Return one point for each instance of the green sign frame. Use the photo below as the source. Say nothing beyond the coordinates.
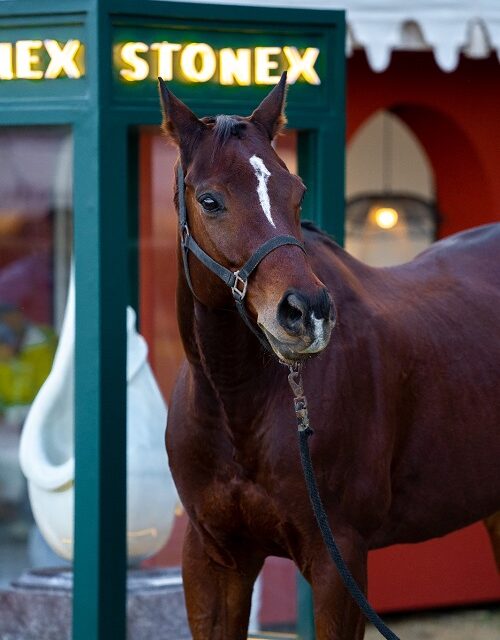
(104, 114)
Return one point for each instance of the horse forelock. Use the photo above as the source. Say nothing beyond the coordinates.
(224, 128)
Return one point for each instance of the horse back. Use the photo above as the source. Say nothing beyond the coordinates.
(429, 331)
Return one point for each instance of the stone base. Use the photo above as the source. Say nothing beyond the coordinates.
(38, 606)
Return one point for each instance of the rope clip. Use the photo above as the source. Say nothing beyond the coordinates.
(299, 399)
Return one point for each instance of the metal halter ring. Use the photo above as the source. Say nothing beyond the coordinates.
(184, 233)
(238, 281)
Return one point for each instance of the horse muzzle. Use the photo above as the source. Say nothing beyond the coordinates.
(303, 325)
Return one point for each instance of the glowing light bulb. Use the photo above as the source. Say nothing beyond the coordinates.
(385, 217)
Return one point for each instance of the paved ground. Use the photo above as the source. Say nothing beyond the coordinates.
(478, 624)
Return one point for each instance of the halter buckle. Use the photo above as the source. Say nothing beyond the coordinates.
(239, 287)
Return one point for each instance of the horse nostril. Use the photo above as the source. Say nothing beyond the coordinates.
(322, 307)
(291, 313)
(293, 309)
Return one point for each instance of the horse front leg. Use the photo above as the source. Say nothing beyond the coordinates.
(336, 614)
(218, 598)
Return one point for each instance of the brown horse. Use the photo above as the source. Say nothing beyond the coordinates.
(404, 399)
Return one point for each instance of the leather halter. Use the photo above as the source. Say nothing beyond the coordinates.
(237, 281)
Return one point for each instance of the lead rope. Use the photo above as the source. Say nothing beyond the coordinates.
(305, 432)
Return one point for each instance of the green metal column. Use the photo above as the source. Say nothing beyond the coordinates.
(330, 166)
(307, 151)
(321, 164)
(305, 609)
(322, 168)
(99, 598)
(133, 190)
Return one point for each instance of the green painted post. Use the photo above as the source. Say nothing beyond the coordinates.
(100, 246)
(307, 151)
(321, 163)
(99, 598)
(133, 189)
(100, 401)
(305, 608)
(331, 180)
(321, 166)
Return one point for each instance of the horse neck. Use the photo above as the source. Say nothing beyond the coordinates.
(226, 359)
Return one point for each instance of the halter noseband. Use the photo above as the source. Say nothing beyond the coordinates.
(237, 281)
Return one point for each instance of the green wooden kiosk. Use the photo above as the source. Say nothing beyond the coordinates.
(91, 66)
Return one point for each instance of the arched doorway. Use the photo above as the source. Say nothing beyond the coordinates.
(390, 193)
(453, 117)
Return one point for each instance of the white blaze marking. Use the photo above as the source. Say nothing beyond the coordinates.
(263, 174)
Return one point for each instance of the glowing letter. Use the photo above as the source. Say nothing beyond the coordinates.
(208, 62)
(140, 67)
(6, 61)
(62, 59)
(263, 65)
(165, 58)
(302, 65)
(25, 59)
(235, 65)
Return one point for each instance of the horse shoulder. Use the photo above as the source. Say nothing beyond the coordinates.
(220, 480)
(193, 434)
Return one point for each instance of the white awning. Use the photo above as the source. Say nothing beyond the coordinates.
(446, 27)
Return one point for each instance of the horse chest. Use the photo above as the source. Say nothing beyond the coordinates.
(237, 505)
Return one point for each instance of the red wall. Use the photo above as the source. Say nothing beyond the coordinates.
(454, 115)
(456, 118)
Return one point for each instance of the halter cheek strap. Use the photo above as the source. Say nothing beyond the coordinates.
(237, 281)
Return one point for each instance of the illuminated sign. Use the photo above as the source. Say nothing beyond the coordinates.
(41, 59)
(195, 62)
(199, 62)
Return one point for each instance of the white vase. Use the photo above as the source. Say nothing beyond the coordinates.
(47, 449)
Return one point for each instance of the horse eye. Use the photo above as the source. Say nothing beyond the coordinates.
(209, 203)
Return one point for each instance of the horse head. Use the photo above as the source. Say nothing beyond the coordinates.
(238, 195)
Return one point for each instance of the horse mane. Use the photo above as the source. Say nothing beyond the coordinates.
(309, 225)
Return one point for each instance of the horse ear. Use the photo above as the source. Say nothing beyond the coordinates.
(270, 112)
(179, 122)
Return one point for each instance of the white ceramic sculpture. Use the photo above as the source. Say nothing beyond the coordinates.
(47, 442)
